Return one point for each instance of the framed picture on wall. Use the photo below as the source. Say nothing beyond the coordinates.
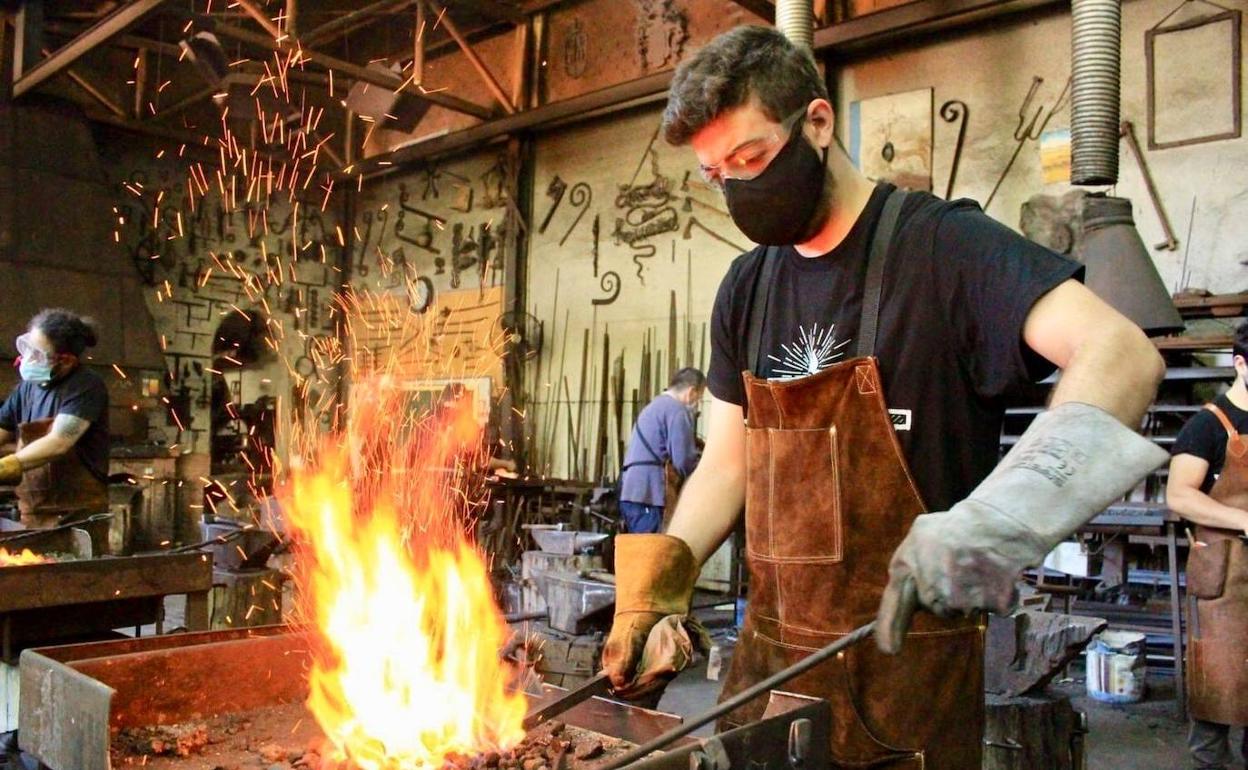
(1190, 104)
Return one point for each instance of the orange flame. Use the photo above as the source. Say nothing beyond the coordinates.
(406, 667)
(21, 558)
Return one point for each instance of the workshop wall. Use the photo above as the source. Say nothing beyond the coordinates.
(196, 263)
(1005, 57)
(626, 241)
(434, 238)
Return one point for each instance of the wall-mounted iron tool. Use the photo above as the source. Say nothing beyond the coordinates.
(554, 191)
(1031, 130)
(952, 110)
(610, 283)
(582, 195)
(1171, 243)
(693, 222)
(597, 231)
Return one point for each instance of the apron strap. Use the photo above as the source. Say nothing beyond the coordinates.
(876, 258)
(758, 309)
(1235, 442)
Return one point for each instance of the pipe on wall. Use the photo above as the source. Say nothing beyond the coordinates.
(1096, 43)
(796, 19)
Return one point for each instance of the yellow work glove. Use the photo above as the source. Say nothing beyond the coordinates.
(10, 469)
(654, 579)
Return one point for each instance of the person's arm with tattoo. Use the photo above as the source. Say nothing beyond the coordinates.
(65, 432)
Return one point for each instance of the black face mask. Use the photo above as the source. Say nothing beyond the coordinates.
(776, 207)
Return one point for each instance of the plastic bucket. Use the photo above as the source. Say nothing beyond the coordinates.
(1117, 667)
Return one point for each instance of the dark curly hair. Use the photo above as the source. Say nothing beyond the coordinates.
(66, 330)
(1240, 346)
(743, 62)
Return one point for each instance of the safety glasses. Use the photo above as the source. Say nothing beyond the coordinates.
(752, 158)
(27, 350)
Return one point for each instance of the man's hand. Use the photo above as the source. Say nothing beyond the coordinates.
(10, 470)
(654, 580)
(956, 562)
(1073, 461)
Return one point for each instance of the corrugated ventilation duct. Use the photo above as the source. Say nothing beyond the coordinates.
(796, 19)
(1096, 42)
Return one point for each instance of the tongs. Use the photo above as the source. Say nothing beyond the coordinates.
(600, 684)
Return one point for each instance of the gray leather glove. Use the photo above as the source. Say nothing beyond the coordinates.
(1073, 461)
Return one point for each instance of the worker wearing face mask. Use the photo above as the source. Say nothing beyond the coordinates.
(59, 416)
(861, 358)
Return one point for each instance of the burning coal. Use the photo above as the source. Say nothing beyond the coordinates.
(21, 558)
(406, 668)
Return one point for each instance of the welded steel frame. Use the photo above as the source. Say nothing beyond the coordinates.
(1236, 107)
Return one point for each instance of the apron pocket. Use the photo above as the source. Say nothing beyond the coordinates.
(816, 492)
(1206, 569)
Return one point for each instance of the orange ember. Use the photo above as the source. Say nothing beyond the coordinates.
(21, 558)
(406, 667)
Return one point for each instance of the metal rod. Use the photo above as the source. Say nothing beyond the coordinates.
(743, 697)
(1127, 130)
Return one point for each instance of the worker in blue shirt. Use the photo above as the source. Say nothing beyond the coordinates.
(662, 443)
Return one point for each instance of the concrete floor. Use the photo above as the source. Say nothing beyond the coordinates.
(1141, 736)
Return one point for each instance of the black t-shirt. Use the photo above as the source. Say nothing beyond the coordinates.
(957, 287)
(80, 393)
(1203, 436)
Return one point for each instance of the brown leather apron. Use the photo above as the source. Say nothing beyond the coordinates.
(829, 497)
(1217, 575)
(61, 491)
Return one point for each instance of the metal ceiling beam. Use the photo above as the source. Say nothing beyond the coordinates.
(348, 22)
(382, 78)
(260, 17)
(487, 77)
(94, 91)
(492, 9)
(121, 41)
(641, 90)
(912, 20)
(764, 9)
(99, 33)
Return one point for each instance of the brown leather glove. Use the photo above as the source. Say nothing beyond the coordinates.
(10, 469)
(654, 579)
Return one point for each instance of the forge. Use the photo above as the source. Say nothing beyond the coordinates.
(235, 698)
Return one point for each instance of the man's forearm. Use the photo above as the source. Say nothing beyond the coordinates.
(708, 509)
(43, 451)
(1196, 506)
(1117, 371)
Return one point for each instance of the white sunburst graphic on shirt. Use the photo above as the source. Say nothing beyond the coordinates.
(815, 350)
